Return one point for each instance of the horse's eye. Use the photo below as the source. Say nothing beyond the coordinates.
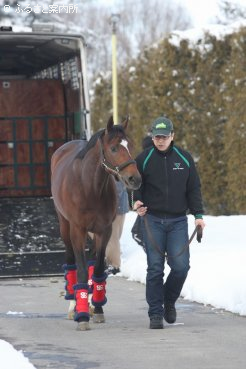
(114, 149)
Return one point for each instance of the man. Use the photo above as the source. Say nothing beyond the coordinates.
(170, 187)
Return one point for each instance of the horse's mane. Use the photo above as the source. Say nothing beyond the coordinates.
(116, 131)
(91, 143)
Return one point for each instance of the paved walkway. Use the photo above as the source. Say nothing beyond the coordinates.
(202, 338)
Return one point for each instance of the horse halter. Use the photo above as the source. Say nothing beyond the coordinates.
(114, 169)
(117, 168)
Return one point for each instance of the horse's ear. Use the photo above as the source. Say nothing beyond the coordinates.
(125, 122)
(110, 123)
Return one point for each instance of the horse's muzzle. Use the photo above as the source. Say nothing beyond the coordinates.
(132, 182)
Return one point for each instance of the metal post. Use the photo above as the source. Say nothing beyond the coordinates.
(114, 20)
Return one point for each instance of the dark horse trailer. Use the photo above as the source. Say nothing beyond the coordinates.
(44, 102)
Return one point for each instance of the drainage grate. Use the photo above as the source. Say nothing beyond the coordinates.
(30, 243)
(31, 264)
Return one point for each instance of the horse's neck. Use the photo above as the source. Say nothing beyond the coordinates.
(101, 181)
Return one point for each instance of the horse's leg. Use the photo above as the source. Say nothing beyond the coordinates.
(78, 239)
(99, 277)
(91, 259)
(70, 273)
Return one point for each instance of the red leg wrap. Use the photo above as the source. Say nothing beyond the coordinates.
(71, 279)
(90, 281)
(99, 292)
(82, 305)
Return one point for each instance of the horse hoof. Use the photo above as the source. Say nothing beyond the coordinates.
(83, 326)
(98, 318)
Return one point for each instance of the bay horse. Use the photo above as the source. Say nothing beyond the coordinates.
(84, 195)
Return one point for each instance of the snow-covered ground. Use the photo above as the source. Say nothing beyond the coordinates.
(13, 359)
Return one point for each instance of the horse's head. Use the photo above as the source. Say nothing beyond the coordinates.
(117, 158)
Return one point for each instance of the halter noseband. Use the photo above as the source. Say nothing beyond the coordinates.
(117, 168)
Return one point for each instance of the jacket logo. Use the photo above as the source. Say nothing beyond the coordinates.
(177, 166)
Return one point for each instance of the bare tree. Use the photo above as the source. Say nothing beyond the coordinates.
(150, 21)
(230, 11)
(141, 24)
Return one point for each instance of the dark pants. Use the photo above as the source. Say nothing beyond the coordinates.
(170, 236)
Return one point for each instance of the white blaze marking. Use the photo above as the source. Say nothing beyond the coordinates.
(125, 144)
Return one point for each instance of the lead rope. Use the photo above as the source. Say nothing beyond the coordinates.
(197, 230)
(132, 202)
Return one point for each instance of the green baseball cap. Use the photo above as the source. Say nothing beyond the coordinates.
(162, 126)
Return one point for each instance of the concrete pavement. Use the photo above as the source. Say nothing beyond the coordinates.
(33, 319)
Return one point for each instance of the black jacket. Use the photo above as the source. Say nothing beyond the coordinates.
(170, 183)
